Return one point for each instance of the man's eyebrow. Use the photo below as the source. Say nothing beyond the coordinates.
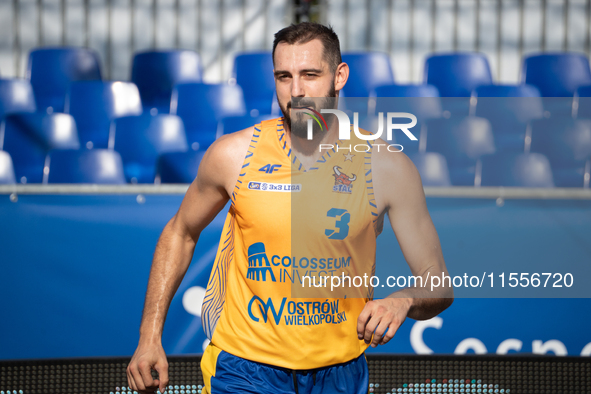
(307, 70)
(311, 70)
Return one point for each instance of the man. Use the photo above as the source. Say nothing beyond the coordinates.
(262, 339)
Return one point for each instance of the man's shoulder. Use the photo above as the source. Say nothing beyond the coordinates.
(233, 143)
(224, 158)
(230, 147)
(394, 175)
(391, 160)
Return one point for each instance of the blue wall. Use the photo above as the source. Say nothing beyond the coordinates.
(75, 270)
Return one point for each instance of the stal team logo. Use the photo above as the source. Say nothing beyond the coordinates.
(345, 129)
(343, 183)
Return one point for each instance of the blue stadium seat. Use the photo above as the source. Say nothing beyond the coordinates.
(516, 170)
(179, 167)
(28, 137)
(253, 71)
(420, 100)
(432, 167)
(156, 72)
(140, 139)
(237, 123)
(463, 142)
(509, 109)
(367, 70)
(202, 106)
(51, 70)
(582, 102)
(584, 91)
(457, 74)
(16, 95)
(506, 91)
(94, 104)
(556, 74)
(567, 144)
(100, 166)
(6, 169)
(406, 91)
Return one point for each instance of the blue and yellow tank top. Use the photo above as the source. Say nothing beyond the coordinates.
(286, 224)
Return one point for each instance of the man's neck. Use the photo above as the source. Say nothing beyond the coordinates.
(308, 151)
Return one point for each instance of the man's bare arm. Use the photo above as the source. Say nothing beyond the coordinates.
(418, 239)
(205, 198)
(399, 193)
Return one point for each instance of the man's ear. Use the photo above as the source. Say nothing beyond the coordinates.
(340, 76)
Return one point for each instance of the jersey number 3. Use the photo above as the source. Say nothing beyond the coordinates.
(342, 224)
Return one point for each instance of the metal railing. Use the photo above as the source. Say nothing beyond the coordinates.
(117, 29)
(505, 30)
(499, 193)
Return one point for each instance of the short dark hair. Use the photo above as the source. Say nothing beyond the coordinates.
(307, 31)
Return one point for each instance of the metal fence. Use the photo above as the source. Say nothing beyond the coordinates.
(499, 193)
(117, 29)
(504, 30)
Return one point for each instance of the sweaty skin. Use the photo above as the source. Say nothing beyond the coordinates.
(300, 71)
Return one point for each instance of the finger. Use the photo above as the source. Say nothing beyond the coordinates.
(162, 369)
(389, 334)
(151, 389)
(131, 380)
(363, 319)
(146, 373)
(370, 327)
(137, 377)
(379, 331)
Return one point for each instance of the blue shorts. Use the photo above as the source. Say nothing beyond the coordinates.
(225, 373)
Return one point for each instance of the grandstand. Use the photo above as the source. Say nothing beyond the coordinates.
(106, 111)
(90, 76)
(516, 119)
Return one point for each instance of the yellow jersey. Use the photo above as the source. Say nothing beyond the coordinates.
(288, 228)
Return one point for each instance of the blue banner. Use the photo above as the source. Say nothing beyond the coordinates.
(75, 271)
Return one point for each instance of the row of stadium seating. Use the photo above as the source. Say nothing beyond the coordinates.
(95, 105)
(140, 139)
(565, 144)
(155, 73)
(104, 166)
(503, 169)
(101, 110)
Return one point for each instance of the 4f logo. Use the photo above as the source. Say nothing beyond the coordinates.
(270, 168)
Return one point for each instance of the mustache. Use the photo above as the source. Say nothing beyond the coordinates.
(301, 104)
(313, 111)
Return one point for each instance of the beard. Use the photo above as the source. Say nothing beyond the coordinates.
(298, 124)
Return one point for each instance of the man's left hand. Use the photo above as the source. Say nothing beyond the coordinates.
(382, 318)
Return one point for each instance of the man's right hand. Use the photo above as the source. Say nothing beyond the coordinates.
(206, 197)
(139, 370)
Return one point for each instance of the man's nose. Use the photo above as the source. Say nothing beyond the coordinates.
(297, 88)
